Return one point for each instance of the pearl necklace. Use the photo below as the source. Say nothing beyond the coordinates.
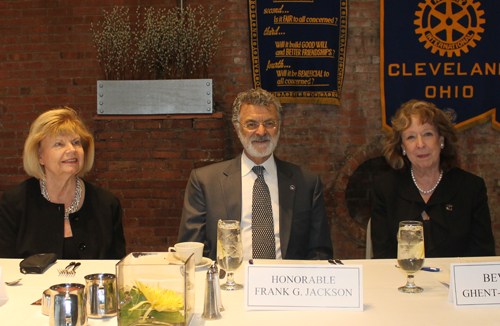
(76, 200)
(428, 191)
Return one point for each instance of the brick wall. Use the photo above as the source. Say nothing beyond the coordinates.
(146, 163)
(47, 59)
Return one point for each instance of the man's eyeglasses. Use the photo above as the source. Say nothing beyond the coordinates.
(255, 125)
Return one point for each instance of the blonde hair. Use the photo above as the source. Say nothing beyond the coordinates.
(60, 121)
(427, 113)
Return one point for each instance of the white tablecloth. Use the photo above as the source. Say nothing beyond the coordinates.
(383, 303)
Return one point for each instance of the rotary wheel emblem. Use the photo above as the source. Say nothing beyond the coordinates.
(449, 26)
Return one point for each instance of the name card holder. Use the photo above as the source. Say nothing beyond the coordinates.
(475, 285)
(304, 287)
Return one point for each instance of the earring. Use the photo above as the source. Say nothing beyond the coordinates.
(404, 152)
(442, 145)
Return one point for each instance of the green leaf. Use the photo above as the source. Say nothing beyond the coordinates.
(167, 317)
(134, 297)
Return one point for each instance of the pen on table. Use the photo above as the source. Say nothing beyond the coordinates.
(427, 269)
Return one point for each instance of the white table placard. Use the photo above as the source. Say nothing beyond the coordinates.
(3, 293)
(304, 287)
(475, 285)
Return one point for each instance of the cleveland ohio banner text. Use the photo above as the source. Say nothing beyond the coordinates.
(298, 48)
(445, 52)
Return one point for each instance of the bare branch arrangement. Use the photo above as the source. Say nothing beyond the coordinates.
(176, 44)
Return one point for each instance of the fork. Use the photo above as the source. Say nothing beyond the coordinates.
(65, 270)
(73, 271)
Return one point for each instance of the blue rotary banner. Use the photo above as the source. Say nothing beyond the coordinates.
(444, 52)
(298, 48)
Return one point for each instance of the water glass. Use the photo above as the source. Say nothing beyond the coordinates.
(229, 251)
(411, 253)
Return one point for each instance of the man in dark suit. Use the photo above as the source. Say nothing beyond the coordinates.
(225, 190)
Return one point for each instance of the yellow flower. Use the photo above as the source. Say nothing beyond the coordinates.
(161, 300)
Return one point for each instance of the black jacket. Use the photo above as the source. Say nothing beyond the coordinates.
(459, 225)
(30, 224)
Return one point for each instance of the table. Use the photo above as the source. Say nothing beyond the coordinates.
(383, 303)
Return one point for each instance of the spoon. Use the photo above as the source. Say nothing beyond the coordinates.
(13, 282)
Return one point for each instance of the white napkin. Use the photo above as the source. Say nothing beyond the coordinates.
(3, 293)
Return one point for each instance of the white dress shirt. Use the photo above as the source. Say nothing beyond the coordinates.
(248, 178)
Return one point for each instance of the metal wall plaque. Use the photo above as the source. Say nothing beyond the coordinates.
(135, 97)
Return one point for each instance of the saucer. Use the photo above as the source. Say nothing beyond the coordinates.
(204, 262)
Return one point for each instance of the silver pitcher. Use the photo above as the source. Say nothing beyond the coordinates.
(67, 305)
(46, 302)
(101, 295)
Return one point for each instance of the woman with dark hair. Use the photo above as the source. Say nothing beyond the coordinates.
(427, 184)
(56, 211)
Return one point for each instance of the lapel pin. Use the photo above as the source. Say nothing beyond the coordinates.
(449, 207)
(292, 187)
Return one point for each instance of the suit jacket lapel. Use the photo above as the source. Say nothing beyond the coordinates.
(407, 190)
(231, 189)
(443, 194)
(447, 189)
(286, 202)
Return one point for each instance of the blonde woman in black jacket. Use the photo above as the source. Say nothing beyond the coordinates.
(56, 211)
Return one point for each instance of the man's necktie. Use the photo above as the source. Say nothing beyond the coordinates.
(263, 241)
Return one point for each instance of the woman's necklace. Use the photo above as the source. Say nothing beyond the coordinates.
(76, 200)
(428, 191)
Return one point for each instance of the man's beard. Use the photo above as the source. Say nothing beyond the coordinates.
(253, 150)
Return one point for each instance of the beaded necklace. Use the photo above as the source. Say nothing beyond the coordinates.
(76, 200)
(428, 191)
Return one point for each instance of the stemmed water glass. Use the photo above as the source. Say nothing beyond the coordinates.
(411, 252)
(229, 251)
